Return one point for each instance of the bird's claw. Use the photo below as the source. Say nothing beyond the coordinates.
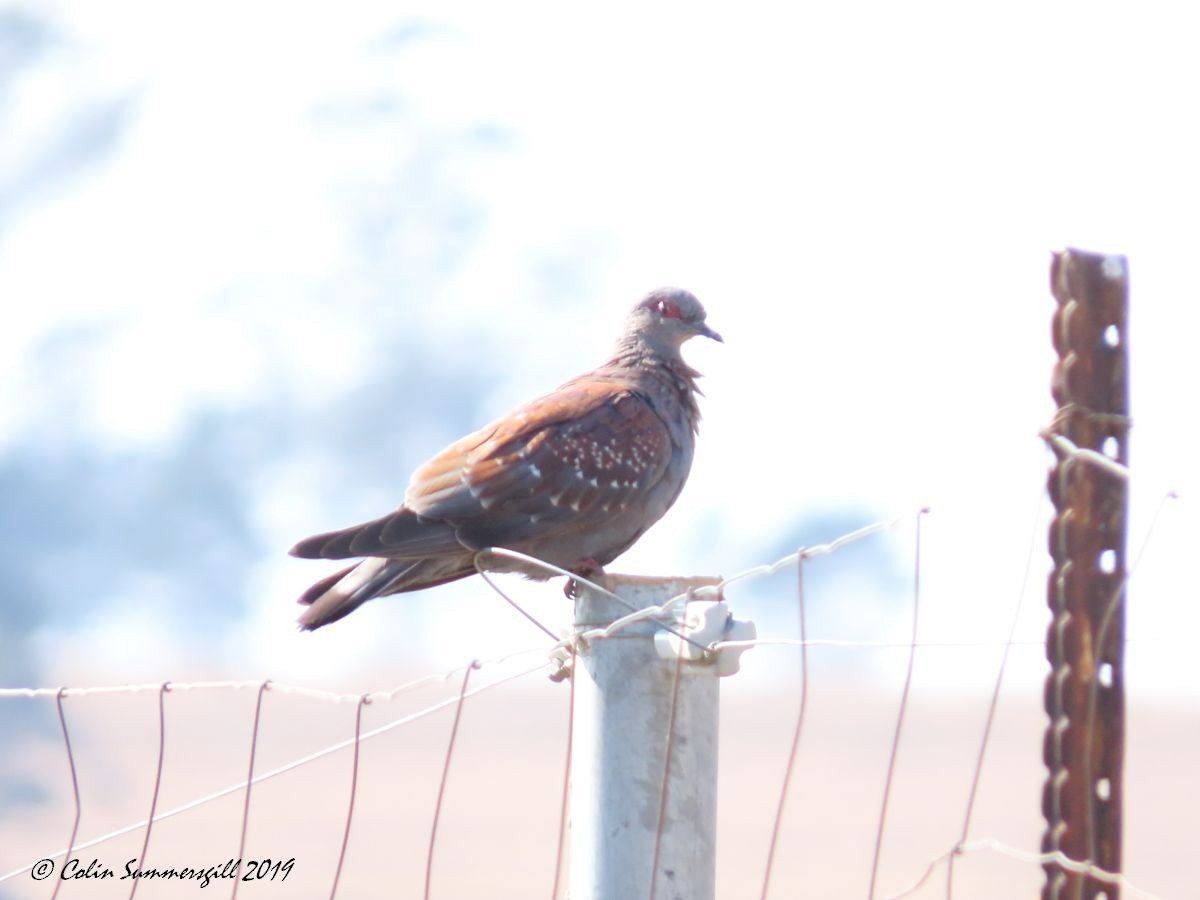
(585, 568)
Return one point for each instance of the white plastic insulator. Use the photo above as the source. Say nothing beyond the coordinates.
(706, 622)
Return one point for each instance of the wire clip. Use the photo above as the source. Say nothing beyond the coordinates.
(707, 622)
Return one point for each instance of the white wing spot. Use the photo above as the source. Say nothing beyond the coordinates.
(537, 473)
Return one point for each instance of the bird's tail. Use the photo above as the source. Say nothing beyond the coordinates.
(344, 591)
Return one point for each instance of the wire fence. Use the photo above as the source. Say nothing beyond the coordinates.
(557, 659)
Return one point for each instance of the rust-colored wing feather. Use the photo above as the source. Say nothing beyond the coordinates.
(571, 473)
(564, 461)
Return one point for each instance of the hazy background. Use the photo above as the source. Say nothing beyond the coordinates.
(258, 261)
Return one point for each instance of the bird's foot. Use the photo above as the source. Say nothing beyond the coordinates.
(585, 568)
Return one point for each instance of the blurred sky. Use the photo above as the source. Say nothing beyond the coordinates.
(257, 261)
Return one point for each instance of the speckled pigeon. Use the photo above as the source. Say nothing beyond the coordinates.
(573, 478)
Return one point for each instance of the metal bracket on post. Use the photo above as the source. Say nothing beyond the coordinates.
(706, 622)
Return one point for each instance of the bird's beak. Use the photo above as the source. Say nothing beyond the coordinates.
(703, 329)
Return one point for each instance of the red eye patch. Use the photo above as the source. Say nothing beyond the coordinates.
(668, 309)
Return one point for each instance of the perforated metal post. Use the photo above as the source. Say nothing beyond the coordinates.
(632, 707)
(1085, 691)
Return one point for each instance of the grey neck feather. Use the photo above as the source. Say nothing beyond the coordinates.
(641, 344)
(665, 371)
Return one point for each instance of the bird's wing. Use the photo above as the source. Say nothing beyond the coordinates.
(588, 453)
(588, 450)
(564, 461)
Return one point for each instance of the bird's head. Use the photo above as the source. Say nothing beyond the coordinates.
(664, 319)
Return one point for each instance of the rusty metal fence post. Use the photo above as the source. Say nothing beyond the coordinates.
(1085, 691)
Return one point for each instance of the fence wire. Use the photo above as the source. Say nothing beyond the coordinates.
(560, 655)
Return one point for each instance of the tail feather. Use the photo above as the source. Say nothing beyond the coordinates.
(401, 533)
(338, 595)
(314, 593)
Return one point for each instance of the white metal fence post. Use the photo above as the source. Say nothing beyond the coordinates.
(623, 697)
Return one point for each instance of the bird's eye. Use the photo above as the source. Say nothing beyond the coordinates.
(668, 309)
